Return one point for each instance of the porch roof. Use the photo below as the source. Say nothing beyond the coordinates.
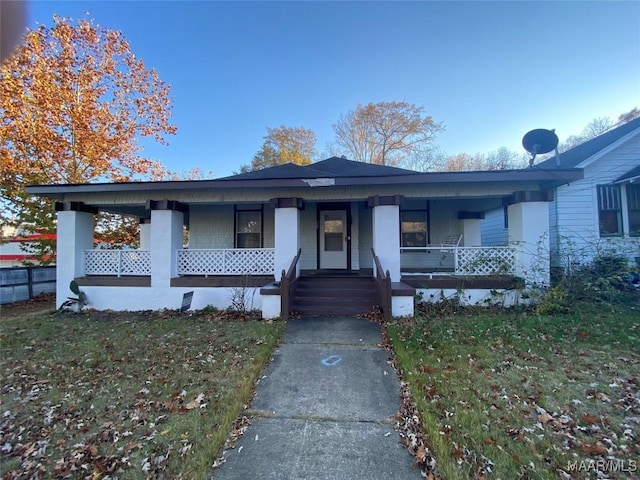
(333, 172)
(631, 176)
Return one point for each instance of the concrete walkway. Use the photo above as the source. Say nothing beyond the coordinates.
(324, 409)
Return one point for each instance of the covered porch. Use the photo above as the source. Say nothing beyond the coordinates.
(330, 238)
(260, 230)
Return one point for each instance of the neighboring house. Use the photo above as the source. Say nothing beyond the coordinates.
(12, 253)
(336, 218)
(597, 214)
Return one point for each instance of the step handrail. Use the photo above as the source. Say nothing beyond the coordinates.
(288, 284)
(383, 287)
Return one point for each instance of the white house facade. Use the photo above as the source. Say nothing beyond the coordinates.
(267, 231)
(598, 214)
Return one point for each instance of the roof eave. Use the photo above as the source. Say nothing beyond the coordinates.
(547, 178)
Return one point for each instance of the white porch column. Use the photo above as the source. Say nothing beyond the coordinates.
(145, 235)
(471, 223)
(529, 233)
(287, 233)
(74, 236)
(386, 232)
(167, 219)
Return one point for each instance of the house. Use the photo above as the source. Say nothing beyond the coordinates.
(597, 214)
(300, 238)
(12, 246)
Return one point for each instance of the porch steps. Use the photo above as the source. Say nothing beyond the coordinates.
(334, 295)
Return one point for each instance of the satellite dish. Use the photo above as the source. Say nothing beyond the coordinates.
(538, 141)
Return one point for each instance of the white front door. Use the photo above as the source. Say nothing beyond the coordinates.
(333, 239)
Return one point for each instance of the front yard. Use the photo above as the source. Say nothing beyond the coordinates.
(500, 395)
(522, 396)
(135, 395)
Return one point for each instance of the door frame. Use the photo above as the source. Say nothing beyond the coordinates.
(343, 206)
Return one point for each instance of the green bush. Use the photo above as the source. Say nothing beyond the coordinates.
(605, 279)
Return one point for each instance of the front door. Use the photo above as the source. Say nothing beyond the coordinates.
(333, 239)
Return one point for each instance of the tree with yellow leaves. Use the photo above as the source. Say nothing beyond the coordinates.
(284, 145)
(74, 103)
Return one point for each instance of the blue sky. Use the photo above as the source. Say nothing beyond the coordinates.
(490, 71)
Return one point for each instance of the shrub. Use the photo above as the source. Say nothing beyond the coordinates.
(603, 280)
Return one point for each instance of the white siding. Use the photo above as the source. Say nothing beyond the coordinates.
(574, 213)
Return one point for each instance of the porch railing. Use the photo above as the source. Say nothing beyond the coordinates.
(117, 262)
(226, 261)
(288, 286)
(460, 260)
(383, 287)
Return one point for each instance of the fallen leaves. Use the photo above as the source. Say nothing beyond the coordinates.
(196, 403)
(544, 418)
(594, 449)
(504, 390)
(412, 434)
(112, 398)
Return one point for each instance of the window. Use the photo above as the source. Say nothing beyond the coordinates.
(413, 229)
(249, 229)
(609, 210)
(505, 216)
(633, 203)
(333, 232)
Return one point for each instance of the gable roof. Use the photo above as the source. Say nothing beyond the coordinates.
(576, 155)
(330, 168)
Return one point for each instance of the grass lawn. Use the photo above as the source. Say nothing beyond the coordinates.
(127, 395)
(516, 395)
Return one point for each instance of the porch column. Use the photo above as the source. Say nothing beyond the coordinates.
(287, 233)
(471, 228)
(167, 218)
(386, 232)
(529, 233)
(145, 234)
(74, 236)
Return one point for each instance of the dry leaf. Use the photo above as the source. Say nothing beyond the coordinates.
(595, 449)
(588, 418)
(421, 454)
(544, 418)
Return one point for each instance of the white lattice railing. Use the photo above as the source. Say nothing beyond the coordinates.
(460, 260)
(117, 262)
(226, 261)
(485, 261)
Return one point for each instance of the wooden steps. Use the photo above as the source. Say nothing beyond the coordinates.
(334, 295)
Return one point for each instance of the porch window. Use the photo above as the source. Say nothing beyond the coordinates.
(249, 229)
(609, 210)
(633, 203)
(413, 229)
